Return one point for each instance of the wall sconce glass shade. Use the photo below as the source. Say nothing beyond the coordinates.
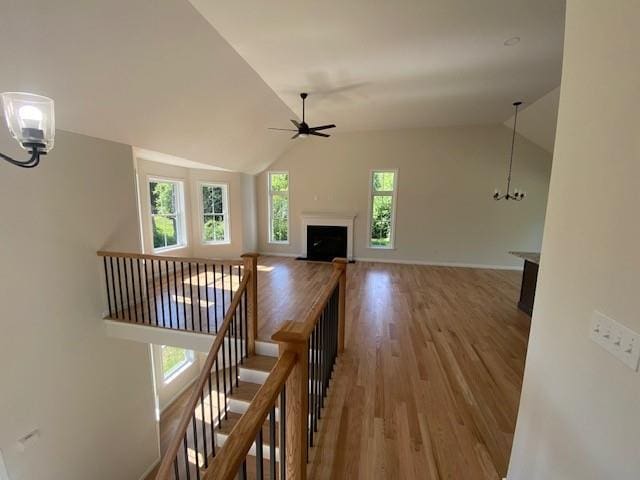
(30, 119)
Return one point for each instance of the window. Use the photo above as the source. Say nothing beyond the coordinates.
(215, 216)
(383, 185)
(174, 361)
(167, 219)
(279, 207)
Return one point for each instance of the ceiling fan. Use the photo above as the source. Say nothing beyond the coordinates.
(304, 130)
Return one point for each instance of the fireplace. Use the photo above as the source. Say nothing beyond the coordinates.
(339, 223)
(326, 242)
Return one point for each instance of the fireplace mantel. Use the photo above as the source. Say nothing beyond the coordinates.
(344, 219)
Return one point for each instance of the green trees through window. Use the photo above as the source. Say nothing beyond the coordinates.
(173, 359)
(278, 207)
(383, 187)
(214, 213)
(164, 203)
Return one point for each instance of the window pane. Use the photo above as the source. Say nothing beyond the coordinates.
(383, 181)
(381, 220)
(164, 231)
(173, 358)
(217, 200)
(279, 218)
(214, 228)
(279, 182)
(207, 199)
(163, 196)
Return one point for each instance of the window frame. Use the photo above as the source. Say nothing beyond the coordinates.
(178, 369)
(270, 195)
(181, 224)
(394, 202)
(225, 214)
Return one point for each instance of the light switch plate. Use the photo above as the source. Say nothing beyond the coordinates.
(620, 341)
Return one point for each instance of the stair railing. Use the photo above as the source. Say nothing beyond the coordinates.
(170, 292)
(194, 442)
(299, 383)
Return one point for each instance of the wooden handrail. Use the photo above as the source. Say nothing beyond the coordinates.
(228, 460)
(208, 261)
(302, 332)
(164, 472)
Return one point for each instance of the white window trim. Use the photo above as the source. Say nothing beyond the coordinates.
(394, 194)
(225, 210)
(191, 356)
(180, 213)
(270, 194)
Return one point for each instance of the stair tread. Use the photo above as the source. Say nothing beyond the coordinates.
(261, 363)
(245, 391)
(233, 418)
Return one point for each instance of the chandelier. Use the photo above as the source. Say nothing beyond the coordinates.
(517, 195)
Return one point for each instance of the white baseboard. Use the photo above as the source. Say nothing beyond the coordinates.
(414, 262)
(440, 264)
(277, 254)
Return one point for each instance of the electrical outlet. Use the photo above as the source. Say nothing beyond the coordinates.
(620, 341)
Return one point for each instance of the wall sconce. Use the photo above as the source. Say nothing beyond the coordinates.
(31, 122)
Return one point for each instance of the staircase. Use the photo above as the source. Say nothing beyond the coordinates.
(253, 410)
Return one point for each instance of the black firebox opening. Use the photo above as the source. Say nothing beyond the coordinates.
(326, 242)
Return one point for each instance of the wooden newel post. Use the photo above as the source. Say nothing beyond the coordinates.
(340, 264)
(251, 265)
(297, 392)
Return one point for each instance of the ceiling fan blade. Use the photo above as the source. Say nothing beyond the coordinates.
(319, 134)
(295, 123)
(284, 129)
(322, 127)
(295, 136)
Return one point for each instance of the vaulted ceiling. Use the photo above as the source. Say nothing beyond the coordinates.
(151, 74)
(381, 64)
(204, 80)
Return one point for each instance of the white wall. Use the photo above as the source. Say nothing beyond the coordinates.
(445, 210)
(90, 396)
(537, 121)
(191, 179)
(579, 413)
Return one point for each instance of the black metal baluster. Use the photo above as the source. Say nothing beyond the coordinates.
(184, 296)
(126, 287)
(218, 393)
(166, 268)
(140, 288)
(283, 433)
(229, 345)
(204, 430)
(242, 346)
(246, 320)
(186, 457)
(120, 287)
(215, 300)
(155, 297)
(176, 473)
(243, 470)
(224, 376)
(199, 304)
(272, 443)
(133, 287)
(211, 426)
(161, 288)
(206, 296)
(106, 279)
(113, 285)
(195, 444)
(175, 291)
(311, 388)
(259, 453)
(193, 318)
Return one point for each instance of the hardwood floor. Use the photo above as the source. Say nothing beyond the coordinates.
(429, 384)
